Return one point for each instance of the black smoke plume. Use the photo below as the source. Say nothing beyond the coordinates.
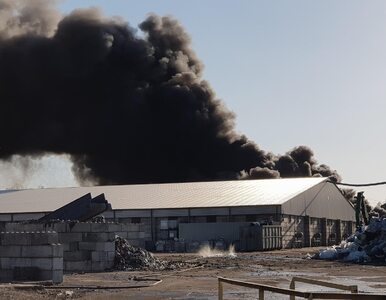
(127, 108)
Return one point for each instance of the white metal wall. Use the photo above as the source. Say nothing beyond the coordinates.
(322, 201)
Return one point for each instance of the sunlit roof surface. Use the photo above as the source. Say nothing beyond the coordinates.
(168, 195)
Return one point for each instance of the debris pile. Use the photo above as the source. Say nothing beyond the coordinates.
(128, 257)
(367, 244)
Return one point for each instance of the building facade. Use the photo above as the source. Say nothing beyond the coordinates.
(310, 211)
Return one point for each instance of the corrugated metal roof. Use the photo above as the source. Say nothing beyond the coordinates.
(167, 195)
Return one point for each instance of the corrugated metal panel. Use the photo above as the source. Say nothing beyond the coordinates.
(170, 195)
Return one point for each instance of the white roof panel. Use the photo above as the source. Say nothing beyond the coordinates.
(163, 196)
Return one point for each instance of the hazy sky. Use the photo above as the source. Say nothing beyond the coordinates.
(295, 72)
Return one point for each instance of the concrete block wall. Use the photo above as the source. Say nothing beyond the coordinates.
(88, 246)
(30, 256)
(137, 234)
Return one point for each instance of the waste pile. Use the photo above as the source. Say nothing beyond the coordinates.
(128, 257)
(367, 244)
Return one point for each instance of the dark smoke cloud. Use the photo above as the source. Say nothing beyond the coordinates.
(128, 109)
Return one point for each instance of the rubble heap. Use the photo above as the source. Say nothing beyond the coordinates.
(367, 244)
(128, 257)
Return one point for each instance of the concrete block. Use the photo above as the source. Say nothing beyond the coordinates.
(102, 255)
(5, 263)
(29, 274)
(98, 237)
(12, 227)
(15, 238)
(42, 263)
(10, 251)
(97, 246)
(73, 246)
(133, 235)
(144, 227)
(147, 236)
(101, 265)
(79, 266)
(57, 263)
(111, 256)
(99, 227)
(6, 275)
(61, 227)
(68, 237)
(81, 227)
(11, 262)
(44, 238)
(57, 276)
(66, 247)
(122, 234)
(113, 227)
(78, 255)
(130, 227)
(57, 250)
(137, 243)
(37, 251)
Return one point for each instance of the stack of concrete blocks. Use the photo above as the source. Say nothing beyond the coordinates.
(30, 256)
(136, 234)
(87, 246)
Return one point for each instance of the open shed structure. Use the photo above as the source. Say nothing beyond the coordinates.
(310, 211)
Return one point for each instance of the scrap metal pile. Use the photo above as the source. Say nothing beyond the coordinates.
(367, 244)
(128, 257)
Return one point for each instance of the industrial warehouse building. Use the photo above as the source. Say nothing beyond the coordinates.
(181, 216)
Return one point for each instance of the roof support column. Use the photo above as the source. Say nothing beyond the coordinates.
(307, 239)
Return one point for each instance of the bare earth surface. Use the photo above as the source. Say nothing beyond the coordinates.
(199, 279)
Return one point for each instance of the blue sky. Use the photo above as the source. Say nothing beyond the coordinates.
(295, 72)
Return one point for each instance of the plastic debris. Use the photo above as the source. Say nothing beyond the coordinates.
(367, 244)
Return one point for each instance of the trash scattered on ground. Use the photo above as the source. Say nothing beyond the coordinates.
(65, 295)
(367, 244)
(207, 251)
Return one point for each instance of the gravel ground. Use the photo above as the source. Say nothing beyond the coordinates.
(199, 281)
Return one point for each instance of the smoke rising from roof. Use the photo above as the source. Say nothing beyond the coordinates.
(127, 109)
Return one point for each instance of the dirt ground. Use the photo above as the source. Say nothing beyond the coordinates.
(199, 281)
